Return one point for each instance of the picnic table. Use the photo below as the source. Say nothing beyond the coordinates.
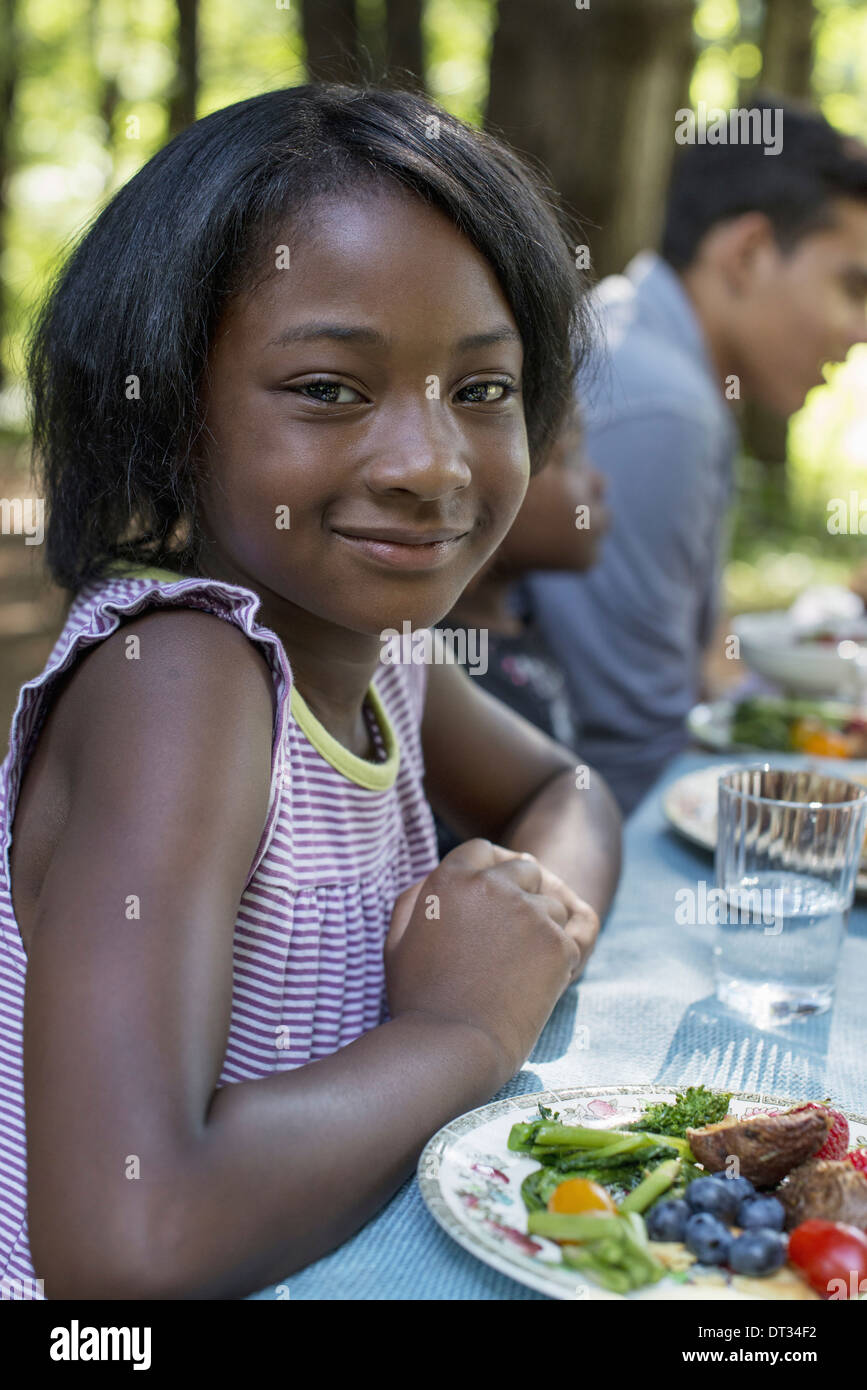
(644, 1011)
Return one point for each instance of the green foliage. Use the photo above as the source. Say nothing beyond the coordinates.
(840, 63)
(94, 82)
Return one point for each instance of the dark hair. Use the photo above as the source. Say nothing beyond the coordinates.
(793, 188)
(143, 289)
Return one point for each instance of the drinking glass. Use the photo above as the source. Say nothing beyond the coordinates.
(788, 851)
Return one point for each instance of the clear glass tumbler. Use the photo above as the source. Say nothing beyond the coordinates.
(788, 850)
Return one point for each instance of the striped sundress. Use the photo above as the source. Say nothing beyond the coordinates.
(343, 837)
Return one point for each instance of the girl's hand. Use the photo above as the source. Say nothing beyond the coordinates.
(495, 949)
(582, 925)
(405, 901)
(403, 906)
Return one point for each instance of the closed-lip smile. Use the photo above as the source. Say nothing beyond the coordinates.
(396, 535)
(402, 547)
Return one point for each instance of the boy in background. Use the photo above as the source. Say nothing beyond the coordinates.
(762, 279)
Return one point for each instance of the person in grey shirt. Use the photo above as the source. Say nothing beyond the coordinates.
(762, 279)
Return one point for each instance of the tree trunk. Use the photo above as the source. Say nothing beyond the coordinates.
(787, 47)
(185, 89)
(9, 41)
(107, 91)
(403, 40)
(331, 38)
(592, 93)
(787, 52)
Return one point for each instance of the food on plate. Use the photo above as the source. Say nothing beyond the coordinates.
(837, 1142)
(578, 1195)
(807, 726)
(667, 1220)
(614, 1249)
(632, 1204)
(757, 1252)
(765, 1146)
(761, 1212)
(832, 1257)
(615, 1159)
(827, 1190)
(715, 1198)
(656, 1181)
(695, 1106)
(725, 1225)
(813, 736)
(708, 1238)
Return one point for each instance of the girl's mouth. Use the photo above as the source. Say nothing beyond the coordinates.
(414, 555)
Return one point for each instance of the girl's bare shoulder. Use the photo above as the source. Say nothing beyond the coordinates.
(189, 683)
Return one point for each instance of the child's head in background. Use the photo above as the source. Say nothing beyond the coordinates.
(563, 517)
(562, 520)
(372, 232)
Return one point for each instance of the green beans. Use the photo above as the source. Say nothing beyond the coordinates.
(658, 1181)
(613, 1249)
(542, 1137)
(672, 1141)
(577, 1136)
(571, 1225)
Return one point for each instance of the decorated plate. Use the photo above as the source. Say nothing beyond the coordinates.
(690, 806)
(471, 1183)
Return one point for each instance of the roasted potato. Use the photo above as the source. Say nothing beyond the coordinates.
(824, 1190)
(767, 1147)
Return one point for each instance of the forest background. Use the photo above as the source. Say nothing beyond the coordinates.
(90, 89)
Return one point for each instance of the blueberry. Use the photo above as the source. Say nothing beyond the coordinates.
(666, 1220)
(704, 1194)
(757, 1252)
(742, 1186)
(760, 1213)
(707, 1238)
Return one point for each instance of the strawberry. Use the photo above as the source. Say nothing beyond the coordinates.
(837, 1142)
(858, 1159)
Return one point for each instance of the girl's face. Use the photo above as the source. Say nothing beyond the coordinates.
(370, 389)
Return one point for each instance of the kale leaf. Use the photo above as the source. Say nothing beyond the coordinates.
(693, 1109)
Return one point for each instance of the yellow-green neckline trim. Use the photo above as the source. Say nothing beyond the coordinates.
(375, 776)
(123, 570)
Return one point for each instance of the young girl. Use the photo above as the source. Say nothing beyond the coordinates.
(287, 394)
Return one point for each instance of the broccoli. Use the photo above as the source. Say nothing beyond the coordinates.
(692, 1109)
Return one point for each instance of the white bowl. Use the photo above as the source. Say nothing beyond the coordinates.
(775, 648)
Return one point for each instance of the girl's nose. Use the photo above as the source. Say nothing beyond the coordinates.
(427, 457)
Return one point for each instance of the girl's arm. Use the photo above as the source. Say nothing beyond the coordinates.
(490, 772)
(144, 1181)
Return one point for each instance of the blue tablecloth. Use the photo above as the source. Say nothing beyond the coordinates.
(649, 1012)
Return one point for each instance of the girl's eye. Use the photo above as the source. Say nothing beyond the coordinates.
(482, 392)
(329, 392)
